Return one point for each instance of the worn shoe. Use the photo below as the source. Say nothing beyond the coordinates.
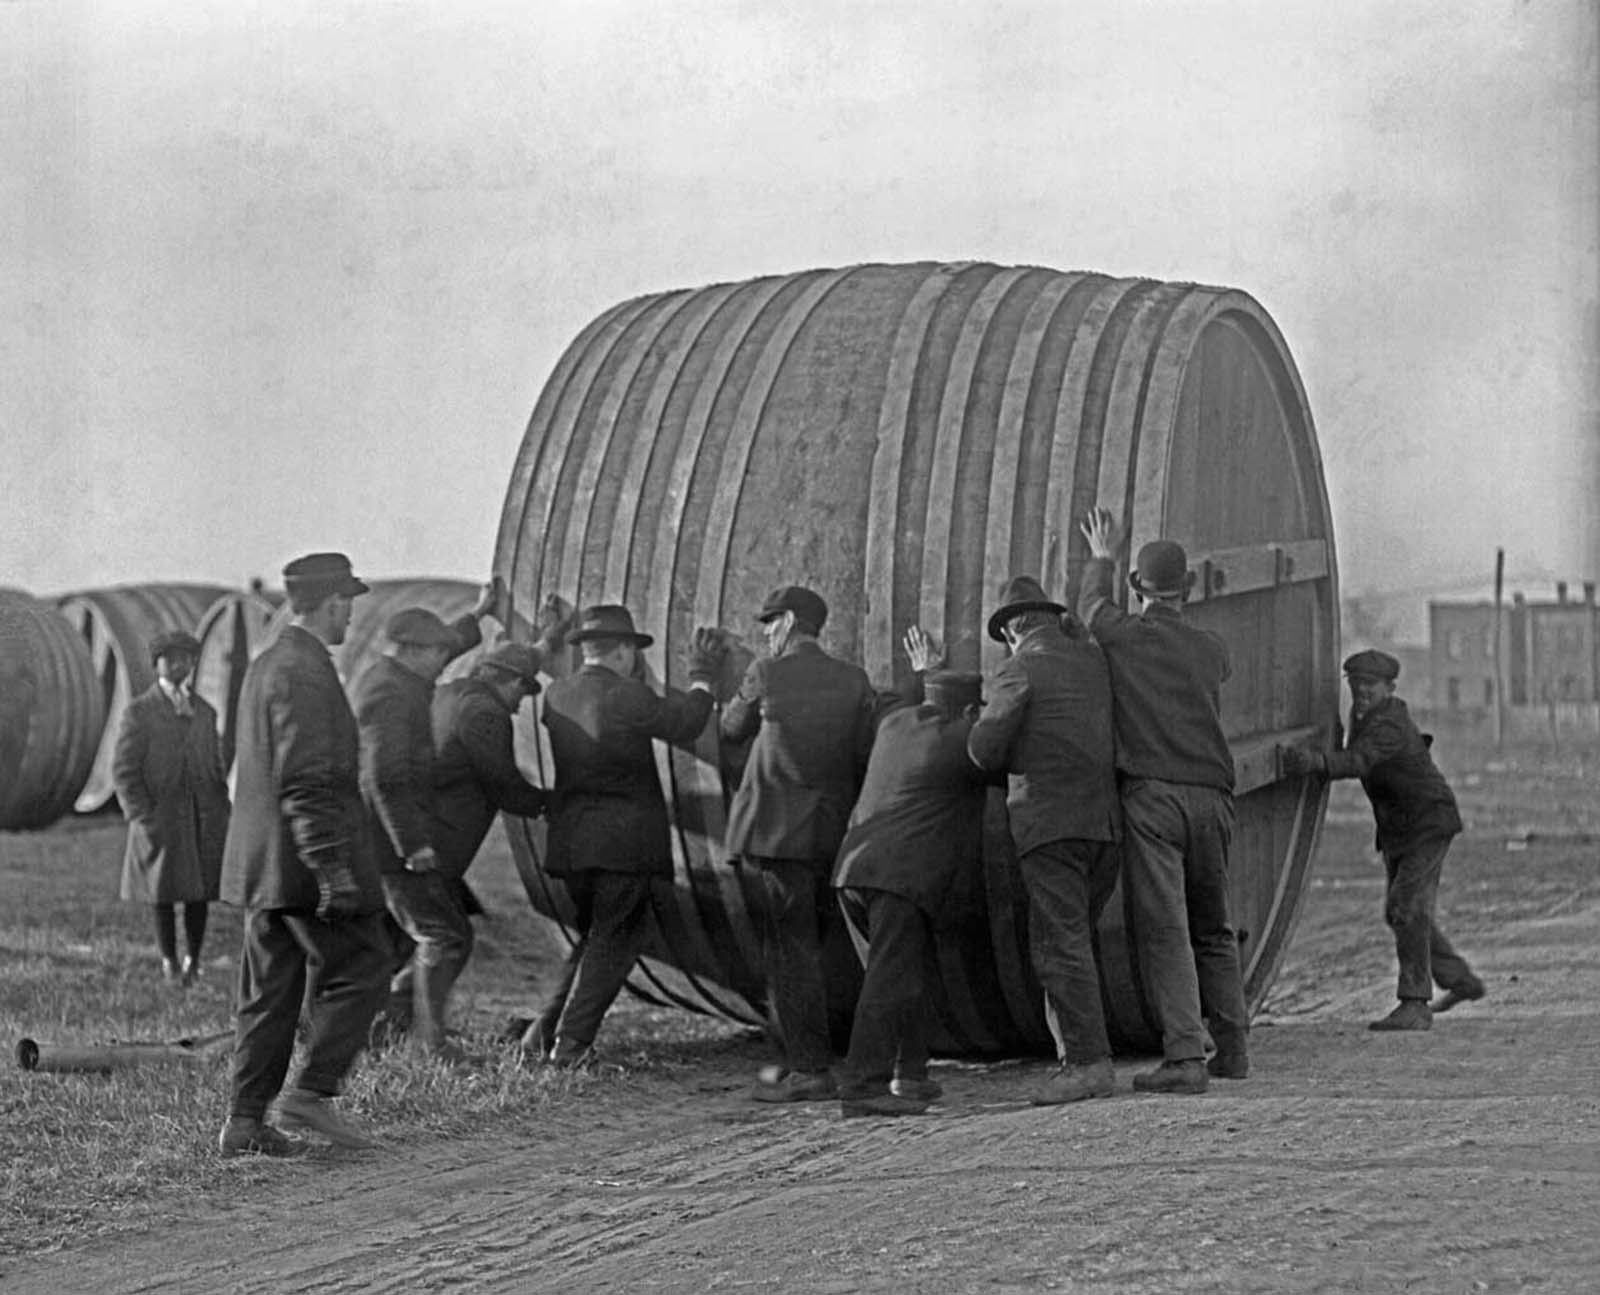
(1174, 1077)
(796, 1086)
(243, 1135)
(881, 1104)
(1467, 992)
(563, 1056)
(918, 1090)
(171, 973)
(1075, 1083)
(1412, 1014)
(1233, 1064)
(314, 1112)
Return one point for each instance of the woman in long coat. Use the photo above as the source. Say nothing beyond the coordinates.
(168, 772)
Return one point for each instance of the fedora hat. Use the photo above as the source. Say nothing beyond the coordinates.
(607, 621)
(1162, 570)
(1020, 594)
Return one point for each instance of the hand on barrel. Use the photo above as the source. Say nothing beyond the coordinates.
(708, 649)
(494, 599)
(1103, 532)
(1300, 761)
(923, 650)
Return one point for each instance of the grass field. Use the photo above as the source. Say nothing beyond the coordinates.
(86, 1155)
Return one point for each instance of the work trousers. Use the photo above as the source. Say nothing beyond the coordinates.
(339, 969)
(889, 1036)
(427, 907)
(1175, 866)
(1425, 955)
(798, 903)
(1068, 883)
(612, 919)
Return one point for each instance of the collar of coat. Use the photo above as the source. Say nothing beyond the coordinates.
(799, 646)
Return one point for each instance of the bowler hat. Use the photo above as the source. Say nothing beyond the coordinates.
(1162, 570)
(325, 573)
(954, 688)
(608, 621)
(421, 628)
(518, 659)
(1020, 594)
(174, 642)
(1374, 664)
(808, 607)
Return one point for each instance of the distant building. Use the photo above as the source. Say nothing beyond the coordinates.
(1550, 651)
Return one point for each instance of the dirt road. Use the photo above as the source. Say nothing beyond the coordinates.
(1467, 1159)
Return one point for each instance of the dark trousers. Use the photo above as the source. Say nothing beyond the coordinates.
(427, 907)
(797, 903)
(1176, 870)
(613, 912)
(1425, 955)
(889, 1036)
(340, 969)
(1068, 883)
(194, 928)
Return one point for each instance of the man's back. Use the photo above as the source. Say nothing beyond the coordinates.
(811, 715)
(1047, 725)
(391, 705)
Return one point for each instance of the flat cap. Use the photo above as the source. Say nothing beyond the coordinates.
(329, 572)
(517, 659)
(1373, 664)
(174, 643)
(954, 688)
(806, 604)
(419, 627)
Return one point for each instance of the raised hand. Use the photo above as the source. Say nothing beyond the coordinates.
(922, 649)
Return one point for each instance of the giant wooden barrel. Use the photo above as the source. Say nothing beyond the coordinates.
(364, 640)
(51, 712)
(118, 624)
(230, 633)
(903, 438)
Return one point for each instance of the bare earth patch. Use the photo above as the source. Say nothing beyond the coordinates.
(1464, 1159)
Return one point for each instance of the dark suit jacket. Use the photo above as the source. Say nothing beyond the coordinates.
(168, 774)
(297, 795)
(919, 819)
(1046, 723)
(474, 771)
(610, 814)
(1411, 801)
(811, 716)
(392, 708)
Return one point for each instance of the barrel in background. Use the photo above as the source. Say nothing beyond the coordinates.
(230, 633)
(903, 438)
(51, 712)
(118, 625)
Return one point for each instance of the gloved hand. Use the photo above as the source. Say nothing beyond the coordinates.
(1299, 761)
(707, 652)
(423, 860)
(341, 898)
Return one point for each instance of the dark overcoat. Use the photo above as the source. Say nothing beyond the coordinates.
(297, 792)
(1411, 801)
(918, 822)
(811, 716)
(474, 771)
(393, 709)
(167, 769)
(1047, 725)
(610, 814)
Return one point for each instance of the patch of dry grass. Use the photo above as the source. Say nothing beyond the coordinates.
(86, 1154)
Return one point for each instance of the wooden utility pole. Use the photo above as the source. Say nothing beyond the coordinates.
(1499, 670)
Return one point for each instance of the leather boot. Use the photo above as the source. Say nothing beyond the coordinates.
(1187, 1076)
(1468, 991)
(1075, 1083)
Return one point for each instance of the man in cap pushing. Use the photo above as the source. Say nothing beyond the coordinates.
(1416, 818)
(392, 700)
(1176, 775)
(1047, 728)
(609, 826)
(811, 717)
(300, 861)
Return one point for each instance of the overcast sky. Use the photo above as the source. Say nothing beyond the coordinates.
(289, 275)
